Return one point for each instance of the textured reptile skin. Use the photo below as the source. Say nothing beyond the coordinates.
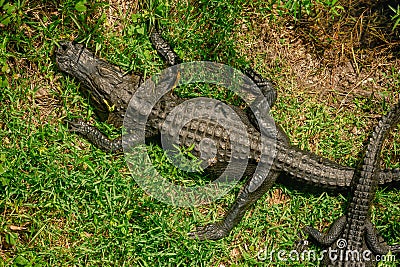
(355, 228)
(111, 91)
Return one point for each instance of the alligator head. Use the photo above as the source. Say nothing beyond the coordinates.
(109, 89)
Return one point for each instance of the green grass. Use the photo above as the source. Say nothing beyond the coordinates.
(65, 203)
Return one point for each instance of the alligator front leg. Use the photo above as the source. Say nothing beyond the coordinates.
(246, 197)
(164, 49)
(94, 136)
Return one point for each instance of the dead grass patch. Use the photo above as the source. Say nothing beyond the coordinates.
(118, 11)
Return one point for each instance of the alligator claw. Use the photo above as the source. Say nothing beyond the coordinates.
(302, 243)
(213, 231)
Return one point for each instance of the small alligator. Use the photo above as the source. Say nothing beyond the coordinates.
(109, 87)
(352, 239)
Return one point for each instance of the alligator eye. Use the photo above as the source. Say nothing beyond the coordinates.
(64, 47)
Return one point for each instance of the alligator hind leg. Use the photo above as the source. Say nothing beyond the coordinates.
(266, 86)
(267, 89)
(332, 235)
(377, 247)
(94, 136)
(245, 198)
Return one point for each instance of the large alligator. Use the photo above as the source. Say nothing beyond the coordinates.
(352, 239)
(109, 87)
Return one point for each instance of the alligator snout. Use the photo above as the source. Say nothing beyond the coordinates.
(67, 54)
(68, 49)
(63, 47)
(62, 53)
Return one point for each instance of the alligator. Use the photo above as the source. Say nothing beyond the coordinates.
(352, 239)
(109, 87)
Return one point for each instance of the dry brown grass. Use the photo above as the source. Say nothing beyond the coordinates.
(328, 60)
(323, 61)
(119, 10)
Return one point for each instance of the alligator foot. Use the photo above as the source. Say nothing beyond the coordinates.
(302, 243)
(247, 196)
(163, 48)
(376, 243)
(94, 136)
(332, 235)
(266, 86)
(213, 231)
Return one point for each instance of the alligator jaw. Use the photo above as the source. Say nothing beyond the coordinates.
(74, 60)
(109, 90)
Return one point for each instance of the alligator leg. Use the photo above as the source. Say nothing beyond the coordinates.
(94, 136)
(378, 248)
(266, 86)
(245, 198)
(332, 235)
(170, 56)
(164, 49)
(260, 182)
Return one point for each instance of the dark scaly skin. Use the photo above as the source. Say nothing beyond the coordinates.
(355, 226)
(164, 49)
(111, 91)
